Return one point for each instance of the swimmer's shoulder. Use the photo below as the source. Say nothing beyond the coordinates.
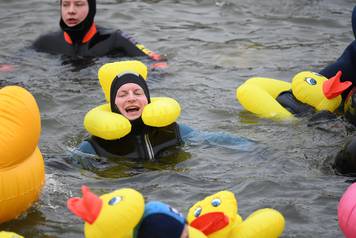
(48, 41)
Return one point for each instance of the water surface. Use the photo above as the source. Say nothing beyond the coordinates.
(212, 47)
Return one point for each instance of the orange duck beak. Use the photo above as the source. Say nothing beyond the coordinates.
(333, 87)
(88, 207)
(210, 222)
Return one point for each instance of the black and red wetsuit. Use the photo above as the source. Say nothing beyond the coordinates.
(86, 39)
(96, 42)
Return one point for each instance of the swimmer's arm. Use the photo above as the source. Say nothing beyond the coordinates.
(45, 43)
(87, 148)
(133, 48)
(221, 139)
(185, 131)
(344, 63)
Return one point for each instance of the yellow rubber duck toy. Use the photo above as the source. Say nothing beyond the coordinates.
(112, 215)
(22, 168)
(7, 234)
(308, 91)
(217, 217)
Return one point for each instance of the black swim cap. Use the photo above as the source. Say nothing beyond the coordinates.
(160, 221)
(124, 79)
(78, 32)
(160, 226)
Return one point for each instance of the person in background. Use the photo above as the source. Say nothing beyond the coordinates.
(80, 36)
(345, 160)
(346, 63)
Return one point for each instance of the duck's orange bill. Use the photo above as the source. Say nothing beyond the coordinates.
(210, 222)
(88, 207)
(333, 87)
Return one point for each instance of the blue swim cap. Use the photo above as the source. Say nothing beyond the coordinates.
(160, 221)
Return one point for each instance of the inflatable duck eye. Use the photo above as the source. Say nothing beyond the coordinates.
(216, 202)
(310, 81)
(115, 200)
(197, 211)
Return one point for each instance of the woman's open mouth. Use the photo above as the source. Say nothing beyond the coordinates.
(131, 109)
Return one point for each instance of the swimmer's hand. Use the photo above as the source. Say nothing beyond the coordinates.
(159, 65)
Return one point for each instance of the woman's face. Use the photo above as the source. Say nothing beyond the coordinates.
(74, 12)
(130, 100)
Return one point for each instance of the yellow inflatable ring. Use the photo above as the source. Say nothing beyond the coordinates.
(21, 165)
(162, 111)
(103, 123)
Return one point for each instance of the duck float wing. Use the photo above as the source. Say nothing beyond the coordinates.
(258, 95)
(266, 223)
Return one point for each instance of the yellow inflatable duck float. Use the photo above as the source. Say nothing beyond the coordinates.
(277, 99)
(7, 234)
(102, 122)
(217, 217)
(22, 172)
(112, 215)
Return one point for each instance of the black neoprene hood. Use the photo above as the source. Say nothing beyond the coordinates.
(78, 32)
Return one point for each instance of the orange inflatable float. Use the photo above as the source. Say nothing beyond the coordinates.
(21, 164)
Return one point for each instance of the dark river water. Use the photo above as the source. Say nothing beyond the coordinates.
(212, 47)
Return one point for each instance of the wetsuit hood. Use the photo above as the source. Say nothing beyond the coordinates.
(78, 32)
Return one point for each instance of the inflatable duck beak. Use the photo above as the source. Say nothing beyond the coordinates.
(210, 222)
(333, 87)
(88, 207)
